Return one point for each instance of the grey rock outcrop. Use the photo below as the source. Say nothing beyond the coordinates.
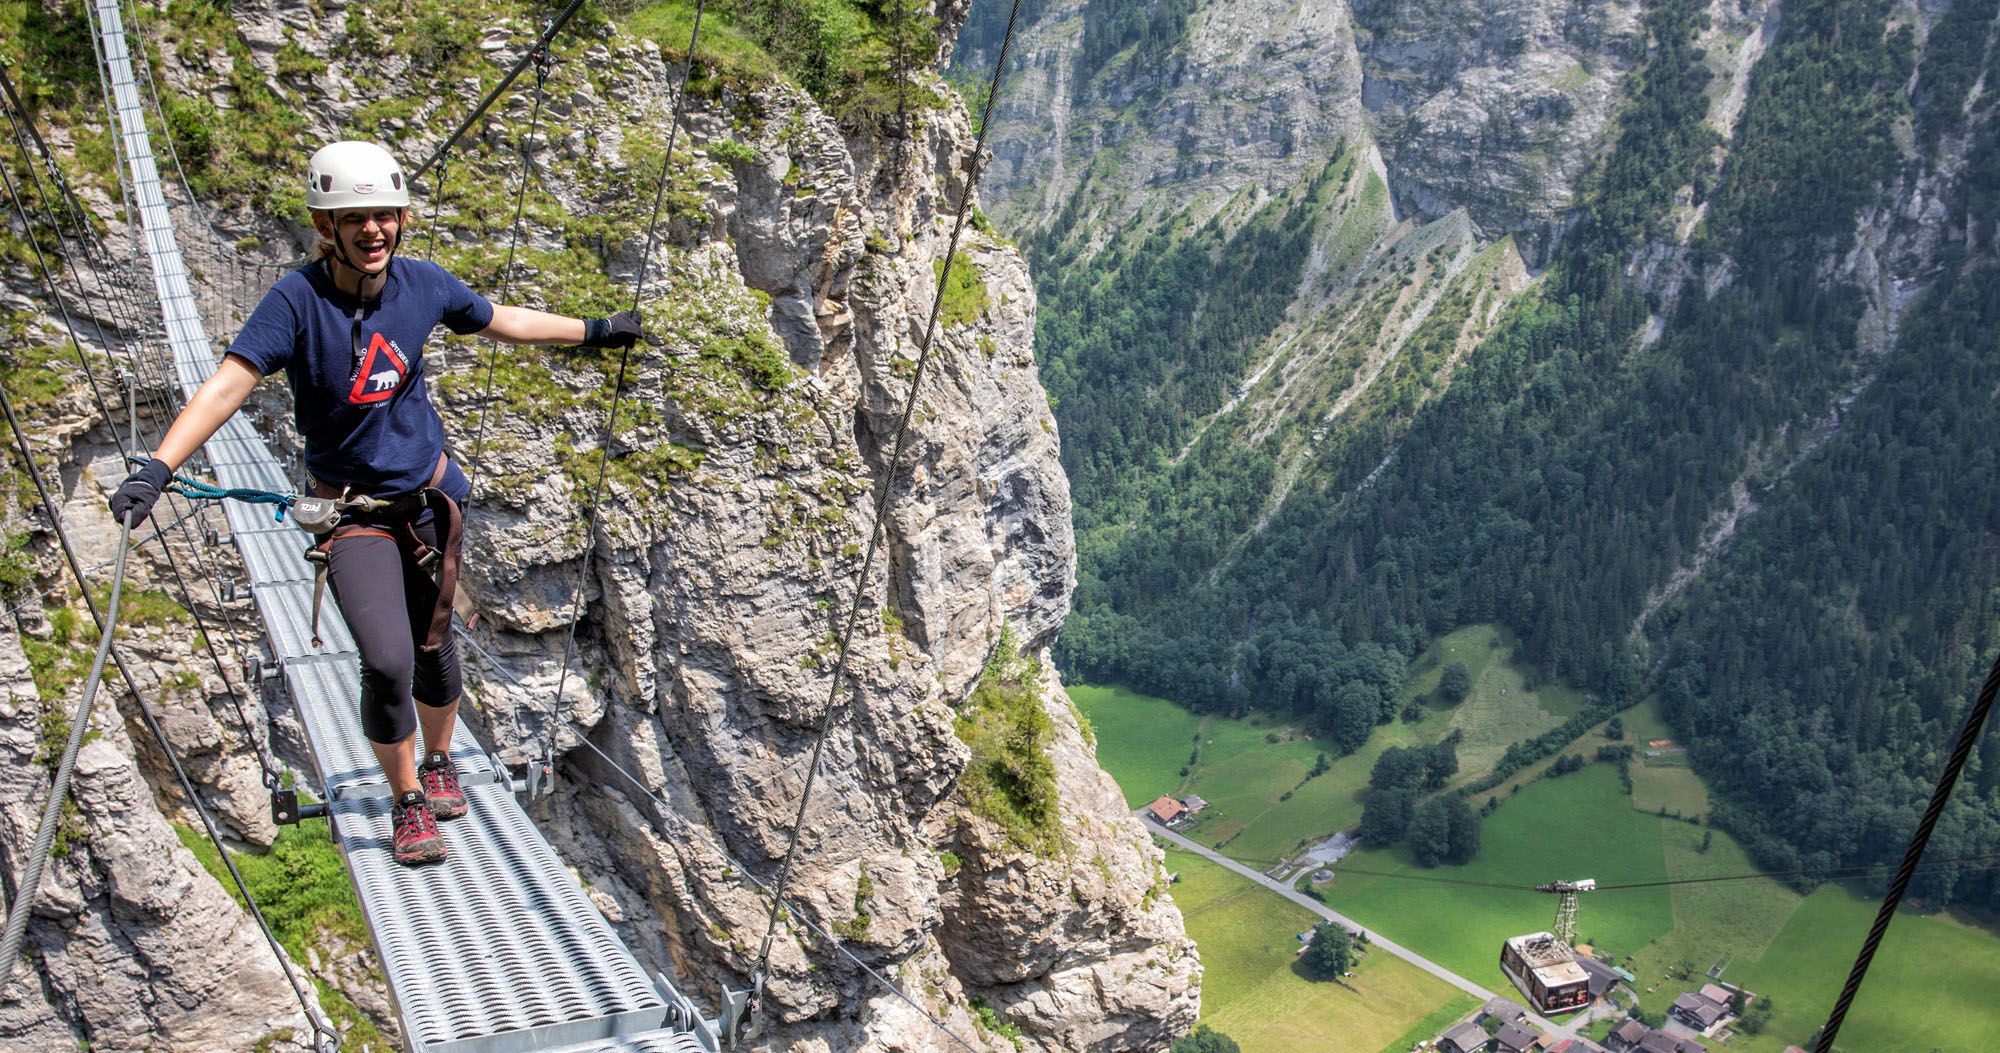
(791, 294)
(1496, 108)
(714, 608)
(1254, 97)
(136, 946)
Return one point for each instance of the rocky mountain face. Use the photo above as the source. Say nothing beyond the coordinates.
(1497, 108)
(788, 297)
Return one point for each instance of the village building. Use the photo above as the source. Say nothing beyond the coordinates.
(1635, 1037)
(1467, 1037)
(1576, 1045)
(1193, 804)
(1717, 993)
(1697, 1011)
(1503, 1010)
(1602, 977)
(1513, 1038)
(1661, 1042)
(1166, 811)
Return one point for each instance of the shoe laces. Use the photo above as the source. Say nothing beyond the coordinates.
(417, 816)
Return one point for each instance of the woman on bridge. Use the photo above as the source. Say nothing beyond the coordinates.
(349, 329)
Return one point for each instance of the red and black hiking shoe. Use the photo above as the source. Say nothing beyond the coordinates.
(417, 840)
(440, 782)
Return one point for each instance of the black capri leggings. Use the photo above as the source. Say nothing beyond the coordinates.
(387, 601)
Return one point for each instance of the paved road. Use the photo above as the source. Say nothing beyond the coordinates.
(1375, 939)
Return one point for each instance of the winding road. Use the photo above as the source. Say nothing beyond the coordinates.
(1375, 939)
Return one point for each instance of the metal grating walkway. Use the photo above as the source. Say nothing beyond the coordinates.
(533, 965)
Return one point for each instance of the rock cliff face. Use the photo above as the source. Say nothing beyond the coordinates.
(1496, 108)
(1258, 94)
(789, 297)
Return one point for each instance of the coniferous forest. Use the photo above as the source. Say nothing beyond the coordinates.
(1819, 665)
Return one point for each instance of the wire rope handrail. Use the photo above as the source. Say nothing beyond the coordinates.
(835, 705)
(91, 247)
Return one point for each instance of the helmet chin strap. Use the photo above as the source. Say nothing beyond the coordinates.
(340, 253)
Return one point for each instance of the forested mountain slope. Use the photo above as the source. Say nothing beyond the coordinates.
(1730, 444)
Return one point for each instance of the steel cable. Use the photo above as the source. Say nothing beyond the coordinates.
(548, 34)
(266, 762)
(79, 722)
(834, 702)
(618, 389)
(543, 64)
(321, 1026)
(692, 832)
(1968, 736)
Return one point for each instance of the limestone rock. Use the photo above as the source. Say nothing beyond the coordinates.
(135, 943)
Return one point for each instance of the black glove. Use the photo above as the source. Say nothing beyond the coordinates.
(620, 330)
(139, 490)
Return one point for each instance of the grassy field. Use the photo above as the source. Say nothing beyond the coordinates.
(1930, 987)
(1252, 989)
(1712, 921)
(1574, 827)
(1141, 741)
(1501, 709)
(1794, 948)
(1246, 768)
(1244, 775)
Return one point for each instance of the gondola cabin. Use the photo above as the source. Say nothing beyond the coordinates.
(1545, 970)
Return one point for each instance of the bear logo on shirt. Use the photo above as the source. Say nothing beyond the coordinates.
(379, 373)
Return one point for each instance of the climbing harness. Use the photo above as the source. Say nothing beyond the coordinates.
(328, 523)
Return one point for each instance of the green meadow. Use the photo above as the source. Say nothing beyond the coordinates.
(1578, 826)
(1253, 771)
(1925, 964)
(1253, 991)
(1795, 948)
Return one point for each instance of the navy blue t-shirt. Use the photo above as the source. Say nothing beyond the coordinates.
(359, 394)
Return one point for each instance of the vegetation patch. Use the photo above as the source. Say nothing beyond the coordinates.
(1255, 989)
(1010, 780)
(302, 888)
(965, 297)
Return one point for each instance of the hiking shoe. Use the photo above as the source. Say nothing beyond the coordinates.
(417, 840)
(440, 782)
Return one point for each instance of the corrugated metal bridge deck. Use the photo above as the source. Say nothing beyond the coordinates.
(496, 950)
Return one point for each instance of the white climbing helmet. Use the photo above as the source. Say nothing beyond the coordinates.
(353, 174)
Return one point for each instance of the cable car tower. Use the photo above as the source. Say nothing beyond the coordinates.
(1543, 964)
(1566, 908)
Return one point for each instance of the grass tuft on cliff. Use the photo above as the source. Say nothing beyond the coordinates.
(302, 888)
(1010, 780)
